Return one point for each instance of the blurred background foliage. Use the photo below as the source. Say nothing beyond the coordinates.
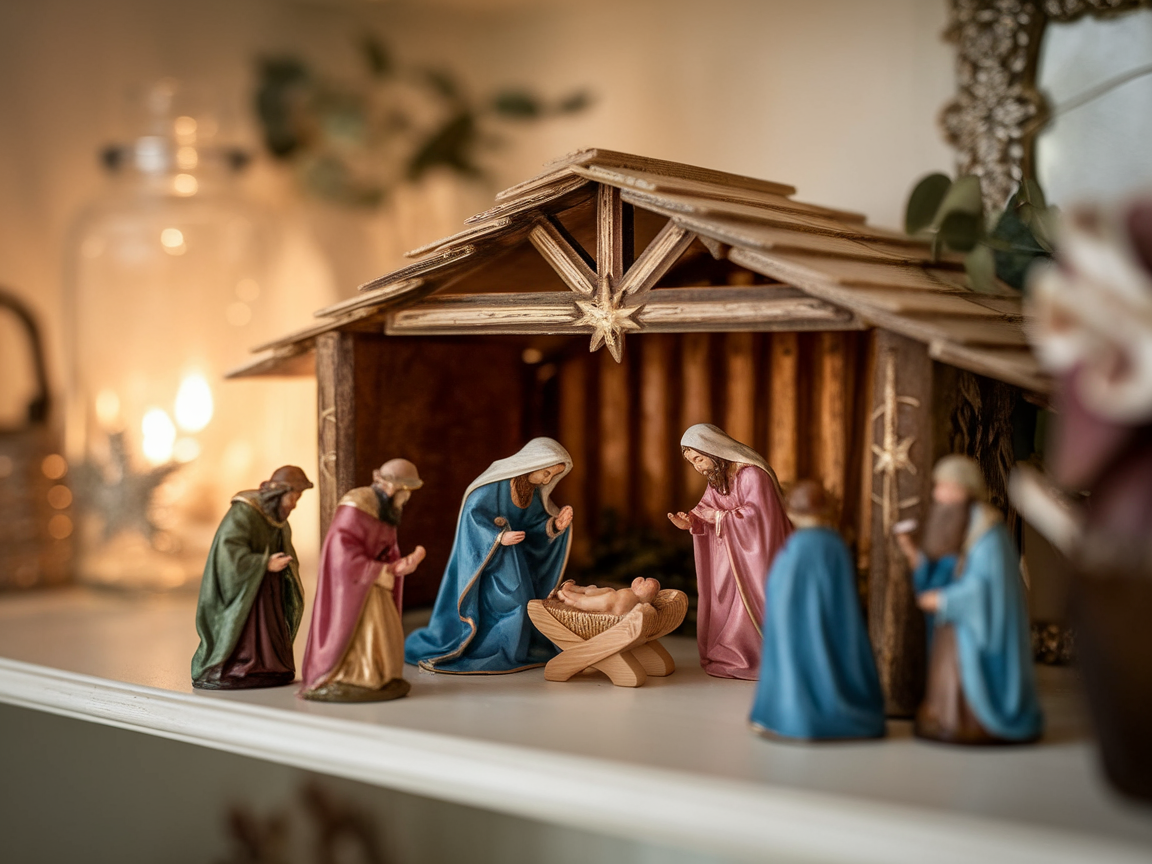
(352, 142)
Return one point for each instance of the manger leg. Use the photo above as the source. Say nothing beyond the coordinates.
(655, 659)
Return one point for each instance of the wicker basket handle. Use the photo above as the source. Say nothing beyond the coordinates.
(38, 407)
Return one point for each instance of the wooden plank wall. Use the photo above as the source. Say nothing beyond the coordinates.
(798, 398)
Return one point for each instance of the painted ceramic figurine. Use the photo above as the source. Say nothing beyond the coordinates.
(251, 598)
(511, 546)
(608, 601)
(736, 529)
(818, 680)
(981, 684)
(355, 650)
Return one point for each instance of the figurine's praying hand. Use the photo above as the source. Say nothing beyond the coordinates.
(278, 562)
(511, 538)
(564, 518)
(409, 562)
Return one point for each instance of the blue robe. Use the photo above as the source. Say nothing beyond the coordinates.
(480, 621)
(818, 678)
(986, 607)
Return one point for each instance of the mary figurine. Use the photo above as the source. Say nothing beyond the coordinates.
(511, 546)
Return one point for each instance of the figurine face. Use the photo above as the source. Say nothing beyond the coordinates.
(544, 475)
(288, 502)
(400, 498)
(947, 492)
(703, 464)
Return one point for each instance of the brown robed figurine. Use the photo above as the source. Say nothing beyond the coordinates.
(251, 598)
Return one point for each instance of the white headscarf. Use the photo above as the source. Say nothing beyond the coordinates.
(714, 441)
(536, 454)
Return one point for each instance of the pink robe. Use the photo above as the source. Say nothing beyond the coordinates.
(732, 564)
(356, 548)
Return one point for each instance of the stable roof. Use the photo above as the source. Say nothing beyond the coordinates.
(719, 252)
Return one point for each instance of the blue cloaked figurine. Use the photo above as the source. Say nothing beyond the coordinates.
(511, 546)
(981, 683)
(818, 679)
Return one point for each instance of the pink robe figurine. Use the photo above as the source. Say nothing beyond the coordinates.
(736, 534)
(355, 650)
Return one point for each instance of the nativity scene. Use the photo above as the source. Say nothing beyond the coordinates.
(614, 301)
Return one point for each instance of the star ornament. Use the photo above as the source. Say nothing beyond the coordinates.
(609, 321)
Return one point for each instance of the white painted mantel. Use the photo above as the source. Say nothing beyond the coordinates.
(671, 762)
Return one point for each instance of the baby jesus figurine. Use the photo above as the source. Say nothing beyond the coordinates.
(608, 601)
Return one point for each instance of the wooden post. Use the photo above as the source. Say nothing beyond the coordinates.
(740, 390)
(783, 436)
(336, 405)
(573, 412)
(902, 456)
(614, 436)
(833, 414)
(696, 406)
(656, 459)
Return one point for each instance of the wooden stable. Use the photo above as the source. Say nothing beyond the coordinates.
(841, 351)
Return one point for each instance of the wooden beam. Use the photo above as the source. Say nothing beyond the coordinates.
(783, 437)
(656, 260)
(336, 406)
(669, 310)
(903, 449)
(740, 387)
(564, 256)
(609, 237)
(656, 458)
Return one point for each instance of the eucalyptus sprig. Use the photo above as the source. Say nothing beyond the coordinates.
(951, 214)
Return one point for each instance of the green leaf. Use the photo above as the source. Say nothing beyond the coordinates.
(963, 197)
(1031, 193)
(518, 104)
(574, 102)
(959, 231)
(377, 56)
(925, 201)
(980, 265)
(451, 146)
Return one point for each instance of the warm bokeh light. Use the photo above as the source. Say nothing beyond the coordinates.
(193, 403)
(185, 129)
(159, 436)
(172, 239)
(60, 527)
(54, 467)
(185, 184)
(187, 158)
(107, 408)
(186, 449)
(59, 497)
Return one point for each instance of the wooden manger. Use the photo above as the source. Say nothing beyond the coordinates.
(841, 351)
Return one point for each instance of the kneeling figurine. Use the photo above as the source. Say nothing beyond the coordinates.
(818, 679)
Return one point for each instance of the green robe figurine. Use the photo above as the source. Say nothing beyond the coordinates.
(251, 597)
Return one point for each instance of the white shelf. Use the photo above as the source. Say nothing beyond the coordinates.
(671, 762)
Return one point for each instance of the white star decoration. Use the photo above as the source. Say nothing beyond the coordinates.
(608, 319)
(894, 454)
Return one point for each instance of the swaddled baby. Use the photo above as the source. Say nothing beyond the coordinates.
(608, 601)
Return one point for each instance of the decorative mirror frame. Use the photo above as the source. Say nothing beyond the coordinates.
(997, 111)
